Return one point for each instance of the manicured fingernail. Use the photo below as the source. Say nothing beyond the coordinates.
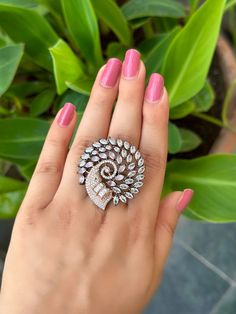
(185, 199)
(111, 73)
(66, 115)
(131, 63)
(155, 87)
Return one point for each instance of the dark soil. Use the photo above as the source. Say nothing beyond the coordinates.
(206, 130)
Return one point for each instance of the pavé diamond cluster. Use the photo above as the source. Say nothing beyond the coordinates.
(111, 169)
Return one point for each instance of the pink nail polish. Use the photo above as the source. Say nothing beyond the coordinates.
(155, 87)
(66, 115)
(131, 63)
(111, 73)
(185, 199)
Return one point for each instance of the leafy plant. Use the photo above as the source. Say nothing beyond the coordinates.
(50, 51)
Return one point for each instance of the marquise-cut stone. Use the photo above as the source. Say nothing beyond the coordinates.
(126, 145)
(121, 168)
(103, 141)
(129, 158)
(134, 190)
(111, 183)
(129, 181)
(117, 149)
(112, 155)
(140, 162)
(115, 200)
(102, 149)
(81, 179)
(131, 166)
(116, 189)
(89, 164)
(82, 163)
(119, 142)
(85, 156)
(89, 149)
(129, 195)
(119, 177)
(95, 158)
(132, 173)
(108, 147)
(123, 198)
(103, 155)
(97, 144)
(124, 153)
(137, 155)
(119, 159)
(141, 170)
(140, 177)
(132, 149)
(95, 152)
(138, 184)
(124, 186)
(112, 141)
(82, 170)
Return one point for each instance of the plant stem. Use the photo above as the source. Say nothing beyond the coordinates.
(210, 119)
(194, 5)
(148, 30)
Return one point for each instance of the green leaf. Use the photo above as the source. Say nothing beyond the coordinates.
(10, 57)
(174, 140)
(20, 3)
(115, 49)
(142, 8)
(42, 102)
(229, 4)
(154, 59)
(190, 140)
(26, 89)
(82, 86)
(188, 59)
(182, 110)
(11, 195)
(22, 138)
(28, 169)
(27, 26)
(204, 100)
(109, 12)
(77, 99)
(213, 180)
(66, 65)
(83, 28)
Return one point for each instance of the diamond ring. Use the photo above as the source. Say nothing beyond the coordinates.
(111, 169)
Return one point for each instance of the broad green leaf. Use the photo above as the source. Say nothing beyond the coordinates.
(142, 8)
(54, 5)
(27, 26)
(229, 4)
(42, 102)
(77, 99)
(190, 140)
(154, 59)
(28, 169)
(182, 110)
(82, 86)
(83, 28)
(20, 3)
(66, 65)
(10, 57)
(188, 59)
(26, 89)
(213, 180)
(109, 12)
(22, 138)
(204, 100)
(11, 195)
(136, 23)
(174, 140)
(115, 49)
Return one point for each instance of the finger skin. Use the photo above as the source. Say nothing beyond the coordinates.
(93, 126)
(47, 175)
(127, 117)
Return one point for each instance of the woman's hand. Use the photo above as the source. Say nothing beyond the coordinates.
(67, 256)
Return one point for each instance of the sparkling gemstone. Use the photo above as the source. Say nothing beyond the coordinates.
(82, 170)
(119, 159)
(89, 164)
(95, 158)
(137, 155)
(82, 163)
(108, 147)
(126, 145)
(131, 166)
(117, 149)
(134, 190)
(129, 195)
(124, 186)
(141, 170)
(129, 181)
(112, 141)
(89, 149)
(123, 198)
(97, 144)
(111, 183)
(140, 177)
(95, 152)
(132, 149)
(103, 141)
(121, 168)
(124, 153)
(119, 177)
(103, 155)
(132, 173)
(129, 158)
(116, 189)
(81, 179)
(112, 155)
(140, 162)
(102, 149)
(138, 184)
(119, 142)
(115, 200)
(85, 156)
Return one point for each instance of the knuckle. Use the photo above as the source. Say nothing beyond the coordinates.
(154, 161)
(49, 167)
(166, 226)
(99, 98)
(81, 143)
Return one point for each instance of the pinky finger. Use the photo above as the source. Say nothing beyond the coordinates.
(169, 212)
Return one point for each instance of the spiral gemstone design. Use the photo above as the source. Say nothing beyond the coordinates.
(111, 169)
